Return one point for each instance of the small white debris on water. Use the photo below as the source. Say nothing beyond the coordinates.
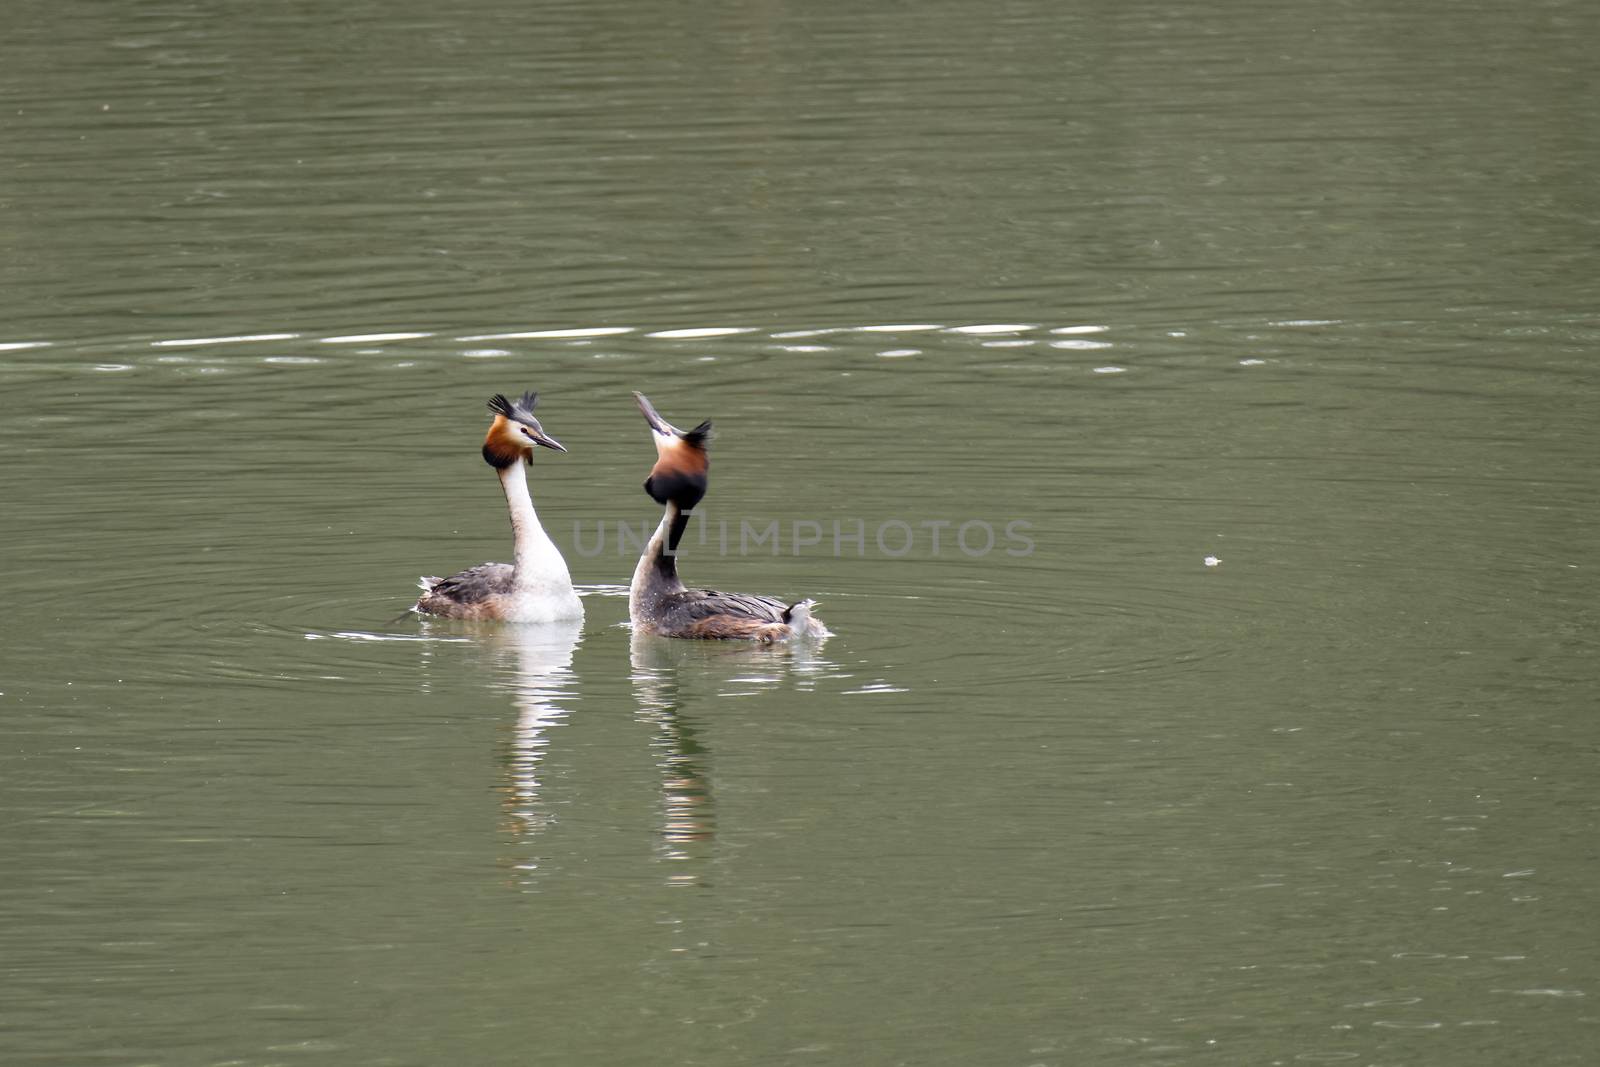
(1111, 370)
(1080, 343)
(1080, 329)
(899, 353)
(1213, 561)
(1251, 362)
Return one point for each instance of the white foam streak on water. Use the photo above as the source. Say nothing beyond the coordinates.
(1080, 329)
(17, 346)
(361, 635)
(1080, 344)
(234, 339)
(911, 328)
(702, 331)
(994, 327)
(580, 331)
(368, 338)
(600, 589)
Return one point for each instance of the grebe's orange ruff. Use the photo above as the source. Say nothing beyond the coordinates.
(537, 586)
(658, 601)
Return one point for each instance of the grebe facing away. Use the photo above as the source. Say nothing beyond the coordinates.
(658, 602)
(536, 587)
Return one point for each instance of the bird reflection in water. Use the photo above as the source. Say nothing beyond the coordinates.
(541, 681)
(688, 818)
(668, 676)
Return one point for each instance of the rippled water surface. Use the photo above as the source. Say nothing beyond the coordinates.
(1260, 340)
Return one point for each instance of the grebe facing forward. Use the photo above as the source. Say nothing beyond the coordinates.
(658, 601)
(536, 587)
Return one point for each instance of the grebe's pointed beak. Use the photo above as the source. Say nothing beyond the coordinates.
(542, 438)
(657, 423)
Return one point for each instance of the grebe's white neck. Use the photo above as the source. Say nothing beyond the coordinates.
(657, 572)
(539, 573)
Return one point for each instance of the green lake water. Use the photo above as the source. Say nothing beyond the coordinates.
(1260, 339)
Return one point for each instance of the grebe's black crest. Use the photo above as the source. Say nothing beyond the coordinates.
(521, 411)
(698, 437)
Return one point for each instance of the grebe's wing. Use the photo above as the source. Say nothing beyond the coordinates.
(473, 584)
(707, 603)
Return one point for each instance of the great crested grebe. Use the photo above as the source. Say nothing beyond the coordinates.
(536, 587)
(658, 602)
